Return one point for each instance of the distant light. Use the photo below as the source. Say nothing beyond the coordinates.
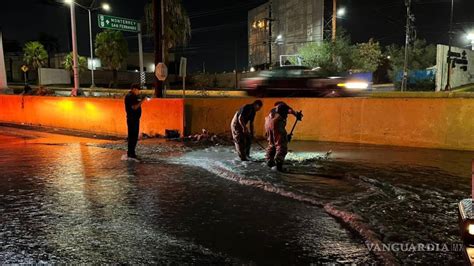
(151, 68)
(389, 57)
(341, 12)
(470, 36)
(252, 69)
(69, 2)
(106, 7)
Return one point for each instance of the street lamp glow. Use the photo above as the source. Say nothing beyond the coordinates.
(470, 36)
(68, 2)
(106, 7)
(341, 12)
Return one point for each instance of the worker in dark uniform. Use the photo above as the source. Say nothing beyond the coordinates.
(276, 134)
(133, 108)
(242, 135)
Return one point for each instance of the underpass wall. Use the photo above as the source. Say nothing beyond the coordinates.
(431, 123)
(92, 115)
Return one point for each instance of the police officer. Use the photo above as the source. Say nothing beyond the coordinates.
(133, 108)
(276, 134)
(242, 135)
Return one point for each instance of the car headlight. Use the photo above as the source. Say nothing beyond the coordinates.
(470, 229)
(354, 85)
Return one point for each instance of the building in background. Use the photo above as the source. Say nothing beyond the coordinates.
(293, 23)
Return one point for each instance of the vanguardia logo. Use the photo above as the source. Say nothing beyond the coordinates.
(416, 247)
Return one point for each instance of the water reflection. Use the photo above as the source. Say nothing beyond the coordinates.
(69, 202)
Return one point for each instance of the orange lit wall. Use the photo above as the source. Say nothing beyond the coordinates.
(94, 115)
(446, 123)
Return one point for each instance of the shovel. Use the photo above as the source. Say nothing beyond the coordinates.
(290, 136)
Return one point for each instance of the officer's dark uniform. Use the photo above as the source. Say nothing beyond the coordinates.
(242, 141)
(133, 122)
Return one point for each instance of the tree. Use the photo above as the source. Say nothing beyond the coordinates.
(112, 49)
(421, 56)
(69, 64)
(50, 43)
(367, 56)
(332, 57)
(177, 24)
(34, 55)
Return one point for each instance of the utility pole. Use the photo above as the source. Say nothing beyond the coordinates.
(270, 21)
(334, 20)
(448, 79)
(3, 73)
(91, 48)
(407, 44)
(159, 49)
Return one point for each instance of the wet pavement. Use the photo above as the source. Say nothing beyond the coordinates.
(68, 199)
(72, 200)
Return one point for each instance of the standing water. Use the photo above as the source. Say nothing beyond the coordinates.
(72, 200)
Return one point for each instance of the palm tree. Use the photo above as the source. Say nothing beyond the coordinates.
(69, 64)
(34, 55)
(112, 49)
(177, 24)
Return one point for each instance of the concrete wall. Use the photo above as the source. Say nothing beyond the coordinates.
(101, 116)
(430, 123)
(459, 77)
(52, 76)
(445, 123)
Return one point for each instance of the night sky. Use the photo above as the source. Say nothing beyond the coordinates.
(219, 36)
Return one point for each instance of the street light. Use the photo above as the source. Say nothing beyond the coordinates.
(470, 37)
(105, 7)
(341, 12)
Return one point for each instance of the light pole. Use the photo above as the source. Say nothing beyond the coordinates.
(74, 47)
(90, 9)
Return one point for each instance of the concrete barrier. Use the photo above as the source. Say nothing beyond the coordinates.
(101, 116)
(446, 123)
(431, 123)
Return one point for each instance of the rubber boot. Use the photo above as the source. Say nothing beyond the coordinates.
(280, 167)
(270, 163)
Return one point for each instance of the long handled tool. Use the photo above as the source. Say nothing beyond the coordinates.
(259, 144)
(290, 136)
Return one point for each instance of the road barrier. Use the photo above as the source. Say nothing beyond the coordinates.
(446, 123)
(93, 115)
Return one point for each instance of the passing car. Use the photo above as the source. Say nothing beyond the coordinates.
(291, 81)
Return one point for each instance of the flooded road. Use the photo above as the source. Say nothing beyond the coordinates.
(72, 200)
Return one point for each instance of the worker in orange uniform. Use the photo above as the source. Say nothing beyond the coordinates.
(276, 134)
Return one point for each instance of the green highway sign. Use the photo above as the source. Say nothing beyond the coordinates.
(116, 23)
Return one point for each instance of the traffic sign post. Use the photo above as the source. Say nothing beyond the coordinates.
(25, 69)
(129, 25)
